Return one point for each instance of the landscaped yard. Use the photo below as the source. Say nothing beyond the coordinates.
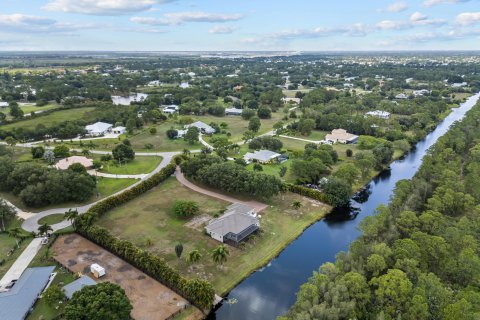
(7, 243)
(109, 186)
(51, 118)
(139, 165)
(52, 219)
(149, 222)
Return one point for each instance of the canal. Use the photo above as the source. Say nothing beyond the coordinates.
(270, 291)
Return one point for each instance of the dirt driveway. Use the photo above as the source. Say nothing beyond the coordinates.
(150, 299)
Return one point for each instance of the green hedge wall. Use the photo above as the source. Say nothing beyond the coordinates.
(199, 292)
(307, 192)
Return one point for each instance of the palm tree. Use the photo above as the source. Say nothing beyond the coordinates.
(44, 228)
(85, 152)
(186, 152)
(71, 215)
(16, 233)
(296, 204)
(220, 254)
(194, 256)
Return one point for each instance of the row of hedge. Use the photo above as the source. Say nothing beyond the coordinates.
(199, 292)
(307, 192)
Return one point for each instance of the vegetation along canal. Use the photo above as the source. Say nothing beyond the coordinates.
(269, 292)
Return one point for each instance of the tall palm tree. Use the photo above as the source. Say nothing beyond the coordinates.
(16, 233)
(85, 152)
(194, 256)
(71, 215)
(44, 228)
(186, 152)
(220, 254)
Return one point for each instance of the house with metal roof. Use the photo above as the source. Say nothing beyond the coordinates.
(78, 285)
(341, 136)
(379, 114)
(202, 127)
(98, 128)
(233, 111)
(262, 156)
(17, 302)
(237, 223)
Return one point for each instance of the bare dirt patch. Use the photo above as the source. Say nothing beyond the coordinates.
(198, 222)
(150, 299)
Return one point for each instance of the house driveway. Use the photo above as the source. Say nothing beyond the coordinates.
(259, 206)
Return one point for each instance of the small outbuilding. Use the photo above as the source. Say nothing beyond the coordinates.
(97, 270)
(119, 130)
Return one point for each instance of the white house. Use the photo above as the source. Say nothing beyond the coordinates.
(422, 92)
(379, 114)
(202, 127)
(291, 100)
(401, 96)
(119, 130)
(3, 104)
(262, 156)
(180, 133)
(173, 108)
(98, 129)
(184, 85)
(459, 84)
(237, 223)
(233, 111)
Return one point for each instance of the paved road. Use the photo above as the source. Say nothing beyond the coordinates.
(181, 178)
(117, 176)
(31, 224)
(22, 262)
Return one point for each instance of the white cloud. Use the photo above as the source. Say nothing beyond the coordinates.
(397, 7)
(467, 18)
(393, 25)
(34, 24)
(222, 29)
(417, 16)
(176, 18)
(102, 7)
(430, 3)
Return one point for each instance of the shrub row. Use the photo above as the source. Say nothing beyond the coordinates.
(307, 192)
(199, 292)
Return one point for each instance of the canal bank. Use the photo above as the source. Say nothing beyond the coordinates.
(270, 291)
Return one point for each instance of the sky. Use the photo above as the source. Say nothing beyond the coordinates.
(225, 25)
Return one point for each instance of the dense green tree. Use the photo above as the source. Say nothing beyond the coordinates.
(123, 152)
(192, 135)
(254, 124)
(185, 209)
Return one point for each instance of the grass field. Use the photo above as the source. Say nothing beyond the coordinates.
(51, 119)
(109, 186)
(52, 219)
(27, 108)
(149, 218)
(7, 243)
(137, 166)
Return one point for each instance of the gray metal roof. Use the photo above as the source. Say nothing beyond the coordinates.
(78, 285)
(16, 303)
(262, 155)
(235, 220)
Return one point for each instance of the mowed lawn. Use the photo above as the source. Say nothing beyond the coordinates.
(51, 119)
(139, 165)
(150, 219)
(27, 108)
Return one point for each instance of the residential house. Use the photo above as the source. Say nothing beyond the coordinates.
(401, 96)
(341, 136)
(379, 114)
(237, 223)
(184, 85)
(291, 100)
(418, 93)
(262, 156)
(17, 301)
(78, 285)
(181, 133)
(64, 164)
(3, 104)
(202, 127)
(119, 130)
(170, 109)
(233, 111)
(98, 129)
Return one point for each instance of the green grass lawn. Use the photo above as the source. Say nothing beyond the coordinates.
(52, 219)
(315, 135)
(51, 119)
(7, 243)
(150, 218)
(109, 186)
(32, 107)
(137, 166)
(274, 169)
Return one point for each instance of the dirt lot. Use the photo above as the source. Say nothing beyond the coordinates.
(150, 299)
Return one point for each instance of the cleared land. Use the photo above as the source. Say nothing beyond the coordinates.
(149, 222)
(150, 299)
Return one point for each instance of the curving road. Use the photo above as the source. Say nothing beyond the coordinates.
(31, 224)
